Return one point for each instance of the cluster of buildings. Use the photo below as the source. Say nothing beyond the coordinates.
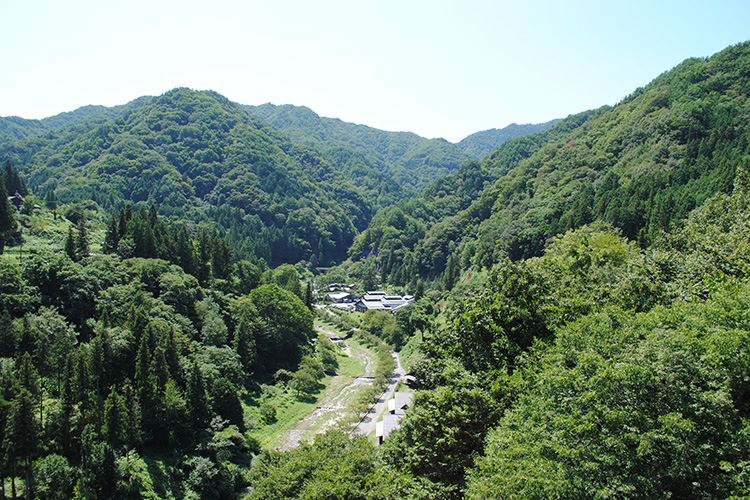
(378, 301)
(397, 407)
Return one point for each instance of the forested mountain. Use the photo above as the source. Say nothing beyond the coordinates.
(480, 144)
(596, 345)
(199, 157)
(14, 128)
(580, 328)
(641, 165)
(404, 157)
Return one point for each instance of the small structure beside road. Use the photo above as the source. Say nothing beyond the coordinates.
(397, 407)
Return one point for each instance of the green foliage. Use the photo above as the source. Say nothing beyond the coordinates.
(202, 158)
(381, 324)
(7, 215)
(388, 164)
(442, 434)
(14, 183)
(54, 478)
(491, 329)
(627, 404)
(480, 144)
(282, 325)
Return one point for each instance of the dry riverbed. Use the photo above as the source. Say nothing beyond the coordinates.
(336, 405)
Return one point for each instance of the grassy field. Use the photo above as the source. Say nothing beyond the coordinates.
(291, 410)
(42, 231)
(336, 404)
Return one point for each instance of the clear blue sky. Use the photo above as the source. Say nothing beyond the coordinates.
(437, 68)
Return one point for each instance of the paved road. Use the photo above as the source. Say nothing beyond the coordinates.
(331, 402)
(369, 420)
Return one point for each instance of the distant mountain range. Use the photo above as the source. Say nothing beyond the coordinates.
(480, 144)
(286, 184)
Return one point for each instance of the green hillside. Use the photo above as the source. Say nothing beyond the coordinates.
(196, 156)
(641, 165)
(13, 128)
(481, 144)
(405, 158)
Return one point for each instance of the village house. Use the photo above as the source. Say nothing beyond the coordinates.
(380, 301)
(397, 407)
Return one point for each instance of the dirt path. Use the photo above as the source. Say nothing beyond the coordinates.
(333, 404)
(369, 420)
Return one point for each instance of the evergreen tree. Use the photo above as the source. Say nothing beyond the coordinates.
(82, 239)
(112, 238)
(70, 245)
(309, 296)
(197, 400)
(14, 183)
(50, 201)
(221, 257)
(226, 403)
(115, 419)
(66, 406)
(7, 218)
(244, 345)
(133, 436)
(21, 436)
(144, 387)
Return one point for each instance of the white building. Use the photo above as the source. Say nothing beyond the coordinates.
(380, 301)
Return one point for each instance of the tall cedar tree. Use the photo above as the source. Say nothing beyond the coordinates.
(7, 220)
(14, 183)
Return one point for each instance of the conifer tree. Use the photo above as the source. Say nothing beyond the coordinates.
(50, 201)
(21, 436)
(244, 345)
(143, 385)
(309, 296)
(115, 419)
(66, 405)
(70, 245)
(112, 238)
(82, 239)
(133, 436)
(14, 183)
(7, 218)
(197, 400)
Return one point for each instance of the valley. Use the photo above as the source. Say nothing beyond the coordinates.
(578, 327)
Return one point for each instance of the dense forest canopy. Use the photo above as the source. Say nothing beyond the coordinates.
(641, 165)
(300, 196)
(579, 331)
(200, 158)
(479, 145)
(16, 128)
(405, 158)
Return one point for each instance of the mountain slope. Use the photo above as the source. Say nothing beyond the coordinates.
(197, 156)
(481, 144)
(13, 128)
(406, 158)
(641, 165)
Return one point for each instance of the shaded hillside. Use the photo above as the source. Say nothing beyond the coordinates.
(481, 144)
(416, 236)
(14, 128)
(365, 152)
(199, 157)
(641, 165)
